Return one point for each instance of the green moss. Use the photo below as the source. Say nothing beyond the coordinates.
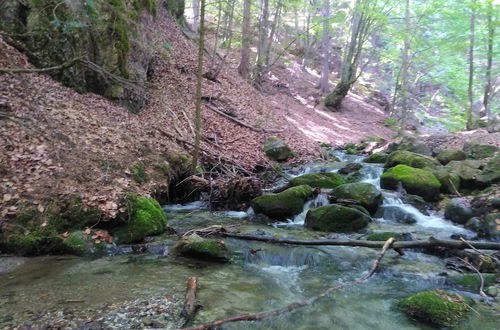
(75, 243)
(415, 181)
(145, 218)
(435, 307)
(472, 281)
(284, 204)
(365, 194)
(383, 236)
(139, 174)
(336, 218)
(319, 180)
(376, 157)
(410, 159)
(446, 156)
(198, 247)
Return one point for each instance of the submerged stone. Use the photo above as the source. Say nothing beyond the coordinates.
(415, 181)
(202, 248)
(283, 205)
(436, 307)
(336, 218)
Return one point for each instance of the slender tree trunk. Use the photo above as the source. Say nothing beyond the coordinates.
(296, 24)
(263, 35)
(229, 37)
(325, 45)
(307, 43)
(244, 67)
(404, 69)
(199, 79)
(489, 59)
(217, 29)
(196, 14)
(470, 93)
(269, 41)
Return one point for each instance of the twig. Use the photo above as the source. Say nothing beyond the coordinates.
(192, 305)
(53, 68)
(483, 254)
(299, 304)
(481, 287)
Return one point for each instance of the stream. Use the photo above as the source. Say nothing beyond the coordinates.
(41, 289)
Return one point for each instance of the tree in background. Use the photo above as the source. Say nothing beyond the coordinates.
(470, 92)
(325, 50)
(244, 67)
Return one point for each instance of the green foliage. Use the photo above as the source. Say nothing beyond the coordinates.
(383, 236)
(139, 174)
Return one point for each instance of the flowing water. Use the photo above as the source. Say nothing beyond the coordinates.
(260, 277)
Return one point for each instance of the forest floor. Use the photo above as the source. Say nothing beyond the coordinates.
(56, 142)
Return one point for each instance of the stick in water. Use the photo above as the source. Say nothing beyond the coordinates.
(299, 304)
(192, 305)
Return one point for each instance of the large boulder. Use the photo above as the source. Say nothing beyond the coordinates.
(145, 217)
(410, 143)
(468, 171)
(475, 150)
(277, 149)
(414, 180)
(491, 172)
(417, 202)
(491, 226)
(376, 157)
(364, 194)
(283, 205)
(439, 308)
(396, 213)
(446, 156)
(450, 182)
(336, 218)
(195, 246)
(325, 180)
(351, 172)
(410, 159)
(458, 210)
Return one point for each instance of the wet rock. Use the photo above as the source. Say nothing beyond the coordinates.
(410, 143)
(458, 210)
(145, 218)
(446, 156)
(376, 157)
(336, 218)
(350, 168)
(475, 150)
(277, 149)
(436, 307)
(417, 202)
(474, 224)
(202, 248)
(410, 159)
(468, 171)
(396, 213)
(471, 281)
(319, 180)
(283, 205)
(450, 182)
(492, 291)
(491, 226)
(415, 181)
(384, 236)
(364, 194)
(491, 172)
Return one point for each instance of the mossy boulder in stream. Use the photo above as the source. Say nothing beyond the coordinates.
(436, 307)
(365, 194)
(458, 210)
(376, 157)
(410, 159)
(414, 180)
(446, 156)
(283, 205)
(202, 248)
(277, 149)
(145, 217)
(383, 236)
(319, 180)
(336, 218)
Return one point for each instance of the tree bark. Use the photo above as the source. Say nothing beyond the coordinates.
(196, 14)
(325, 45)
(244, 67)
(470, 92)
(404, 69)
(489, 59)
(199, 80)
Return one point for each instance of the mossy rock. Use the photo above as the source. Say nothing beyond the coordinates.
(410, 159)
(414, 180)
(396, 213)
(336, 218)
(276, 149)
(319, 180)
(450, 182)
(468, 171)
(206, 249)
(491, 172)
(475, 150)
(458, 210)
(365, 194)
(376, 157)
(491, 226)
(472, 281)
(436, 307)
(446, 156)
(145, 218)
(384, 236)
(412, 144)
(417, 202)
(283, 205)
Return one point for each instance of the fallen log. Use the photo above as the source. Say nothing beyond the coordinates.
(430, 242)
(191, 305)
(299, 304)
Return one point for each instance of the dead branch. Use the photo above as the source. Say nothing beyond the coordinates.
(296, 305)
(53, 68)
(192, 305)
(483, 254)
(430, 242)
(239, 122)
(481, 287)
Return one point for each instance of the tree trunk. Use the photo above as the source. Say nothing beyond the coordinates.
(404, 69)
(263, 35)
(489, 59)
(229, 36)
(196, 14)
(325, 45)
(244, 67)
(199, 78)
(470, 92)
(269, 41)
